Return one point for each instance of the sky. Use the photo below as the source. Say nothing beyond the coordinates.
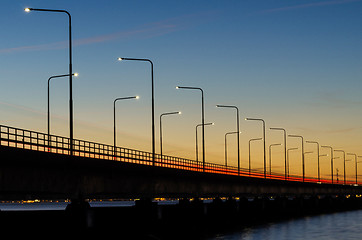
(294, 63)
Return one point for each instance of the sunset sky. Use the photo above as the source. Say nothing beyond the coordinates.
(294, 63)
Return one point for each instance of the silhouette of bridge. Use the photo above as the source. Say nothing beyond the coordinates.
(38, 165)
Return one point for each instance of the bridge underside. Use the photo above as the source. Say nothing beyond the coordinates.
(28, 174)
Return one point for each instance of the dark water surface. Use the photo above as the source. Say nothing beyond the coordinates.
(39, 206)
(339, 226)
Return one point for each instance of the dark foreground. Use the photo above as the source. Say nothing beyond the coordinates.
(185, 220)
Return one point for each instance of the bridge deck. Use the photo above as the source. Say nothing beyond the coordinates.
(32, 167)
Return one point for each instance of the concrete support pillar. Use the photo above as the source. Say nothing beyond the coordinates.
(79, 215)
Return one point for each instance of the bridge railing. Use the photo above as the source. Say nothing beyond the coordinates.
(27, 139)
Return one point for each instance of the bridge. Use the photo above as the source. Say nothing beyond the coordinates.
(37, 166)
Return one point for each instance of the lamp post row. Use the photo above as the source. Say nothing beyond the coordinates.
(71, 147)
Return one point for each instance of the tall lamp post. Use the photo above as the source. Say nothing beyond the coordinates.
(290, 149)
(251, 140)
(355, 162)
(48, 104)
(322, 155)
(308, 153)
(114, 120)
(301, 137)
(152, 103)
(226, 153)
(197, 147)
(285, 149)
(202, 120)
(344, 165)
(270, 158)
(262, 120)
(164, 114)
(70, 71)
(331, 149)
(237, 129)
(319, 174)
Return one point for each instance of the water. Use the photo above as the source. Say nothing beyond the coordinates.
(339, 226)
(39, 206)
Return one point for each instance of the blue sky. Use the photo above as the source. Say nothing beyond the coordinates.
(295, 63)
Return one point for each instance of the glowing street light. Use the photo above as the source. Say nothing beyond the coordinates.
(290, 149)
(270, 157)
(114, 120)
(301, 137)
(262, 120)
(355, 161)
(344, 165)
(202, 120)
(237, 129)
(197, 147)
(305, 153)
(314, 142)
(331, 149)
(48, 104)
(226, 154)
(152, 102)
(164, 114)
(285, 149)
(251, 140)
(70, 71)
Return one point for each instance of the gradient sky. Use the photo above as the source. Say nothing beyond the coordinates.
(295, 63)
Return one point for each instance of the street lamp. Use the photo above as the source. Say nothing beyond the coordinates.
(344, 165)
(48, 104)
(237, 129)
(226, 154)
(331, 149)
(301, 137)
(262, 120)
(290, 149)
(197, 147)
(164, 114)
(202, 120)
(270, 158)
(319, 176)
(355, 161)
(114, 120)
(337, 168)
(285, 149)
(308, 152)
(152, 102)
(357, 164)
(322, 155)
(251, 140)
(70, 72)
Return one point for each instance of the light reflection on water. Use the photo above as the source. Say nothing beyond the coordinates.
(341, 226)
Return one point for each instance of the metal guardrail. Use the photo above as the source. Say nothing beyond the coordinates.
(27, 139)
